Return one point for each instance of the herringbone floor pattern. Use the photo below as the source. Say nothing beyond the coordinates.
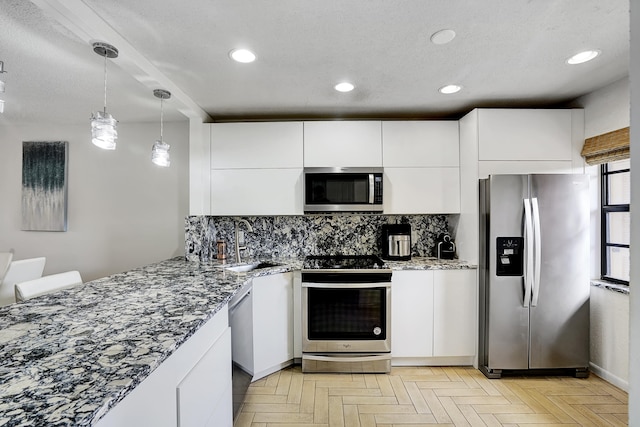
(456, 396)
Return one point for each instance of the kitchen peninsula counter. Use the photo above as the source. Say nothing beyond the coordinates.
(67, 358)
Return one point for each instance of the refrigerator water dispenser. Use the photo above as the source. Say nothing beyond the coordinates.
(509, 256)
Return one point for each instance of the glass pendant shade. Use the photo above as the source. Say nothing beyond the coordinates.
(103, 126)
(160, 153)
(160, 150)
(103, 130)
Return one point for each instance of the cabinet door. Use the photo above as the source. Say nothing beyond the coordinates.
(411, 313)
(273, 323)
(271, 145)
(256, 192)
(420, 144)
(421, 190)
(486, 168)
(205, 385)
(524, 134)
(455, 330)
(342, 144)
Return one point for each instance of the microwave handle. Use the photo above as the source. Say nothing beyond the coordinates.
(372, 188)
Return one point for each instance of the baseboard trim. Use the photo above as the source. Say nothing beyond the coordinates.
(433, 361)
(609, 377)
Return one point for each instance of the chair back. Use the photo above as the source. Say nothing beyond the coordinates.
(19, 271)
(46, 285)
(5, 261)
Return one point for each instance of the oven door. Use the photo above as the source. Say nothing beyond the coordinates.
(346, 317)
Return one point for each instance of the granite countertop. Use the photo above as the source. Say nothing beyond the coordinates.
(69, 357)
(430, 263)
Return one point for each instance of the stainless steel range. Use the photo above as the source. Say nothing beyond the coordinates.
(346, 314)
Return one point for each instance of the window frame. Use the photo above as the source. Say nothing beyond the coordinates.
(604, 210)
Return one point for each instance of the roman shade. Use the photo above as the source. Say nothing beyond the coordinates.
(608, 147)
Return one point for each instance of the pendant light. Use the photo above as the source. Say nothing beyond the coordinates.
(103, 125)
(160, 150)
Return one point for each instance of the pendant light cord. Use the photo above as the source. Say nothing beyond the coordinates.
(161, 118)
(105, 84)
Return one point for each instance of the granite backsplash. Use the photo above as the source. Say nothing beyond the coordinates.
(297, 236)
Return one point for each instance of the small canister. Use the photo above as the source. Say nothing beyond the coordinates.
(446, 248)
(221, 246)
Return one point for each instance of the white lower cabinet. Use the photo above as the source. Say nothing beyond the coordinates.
(272, 323)
(433, 317)
(455, 320)
(411, 314)
(192, 387)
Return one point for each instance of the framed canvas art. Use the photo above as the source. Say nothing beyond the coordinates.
(44, 185)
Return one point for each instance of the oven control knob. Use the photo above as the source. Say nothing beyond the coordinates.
(377, 330)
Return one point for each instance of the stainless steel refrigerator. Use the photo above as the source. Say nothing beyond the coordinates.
(534, 274)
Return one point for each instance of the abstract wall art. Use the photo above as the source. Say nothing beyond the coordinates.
(44, 185)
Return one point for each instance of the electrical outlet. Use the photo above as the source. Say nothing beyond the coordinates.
(240, 238)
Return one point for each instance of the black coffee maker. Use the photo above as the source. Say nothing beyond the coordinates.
(396, 242)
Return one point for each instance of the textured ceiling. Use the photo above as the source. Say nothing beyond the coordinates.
(506, 53)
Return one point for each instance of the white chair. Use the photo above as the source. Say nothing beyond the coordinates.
(46, 285)
(5, 261)
(19, 271)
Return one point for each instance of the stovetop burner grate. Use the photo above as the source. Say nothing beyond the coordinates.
(343, 262)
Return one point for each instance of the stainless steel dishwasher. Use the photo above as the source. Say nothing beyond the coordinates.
(241, 321)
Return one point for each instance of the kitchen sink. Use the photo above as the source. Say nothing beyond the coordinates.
(244, 268)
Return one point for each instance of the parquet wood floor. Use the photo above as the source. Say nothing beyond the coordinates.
(423, 396)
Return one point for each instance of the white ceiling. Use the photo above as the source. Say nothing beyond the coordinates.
(506, 53)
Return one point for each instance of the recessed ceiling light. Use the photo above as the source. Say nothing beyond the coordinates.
(443, 36)
(344, 87)
(449, 89)
(582, 57)
(242, 55)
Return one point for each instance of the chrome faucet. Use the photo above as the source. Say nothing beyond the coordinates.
(237, 240)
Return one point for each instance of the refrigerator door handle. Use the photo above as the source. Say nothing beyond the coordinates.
(538, 251)
(528, 239)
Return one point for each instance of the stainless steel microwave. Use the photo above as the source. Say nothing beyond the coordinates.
(343, 190)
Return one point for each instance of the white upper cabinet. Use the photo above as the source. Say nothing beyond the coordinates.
(258, 145)
(343, 144)
(524, 134)
(256, 192)
(421, 167)
(420, 143)
(421, 190)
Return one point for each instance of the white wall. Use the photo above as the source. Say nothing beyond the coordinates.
(123, 211)
(606, 110)
(634, 306)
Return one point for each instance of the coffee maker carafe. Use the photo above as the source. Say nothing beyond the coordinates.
(396, 242)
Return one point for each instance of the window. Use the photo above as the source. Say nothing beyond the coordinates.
(616, 193)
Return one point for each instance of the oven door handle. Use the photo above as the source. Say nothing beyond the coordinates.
(346, 358)
(346, 285)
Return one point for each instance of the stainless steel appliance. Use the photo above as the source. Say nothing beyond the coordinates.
(346, 314)
(396, 242)
(534, 280)
(241, 322)
(343, 189)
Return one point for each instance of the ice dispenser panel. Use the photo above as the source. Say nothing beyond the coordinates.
(509, 257)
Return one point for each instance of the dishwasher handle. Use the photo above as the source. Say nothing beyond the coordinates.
(233, 307)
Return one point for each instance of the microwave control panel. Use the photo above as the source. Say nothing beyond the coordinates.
(509, 256)
(377, 189)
